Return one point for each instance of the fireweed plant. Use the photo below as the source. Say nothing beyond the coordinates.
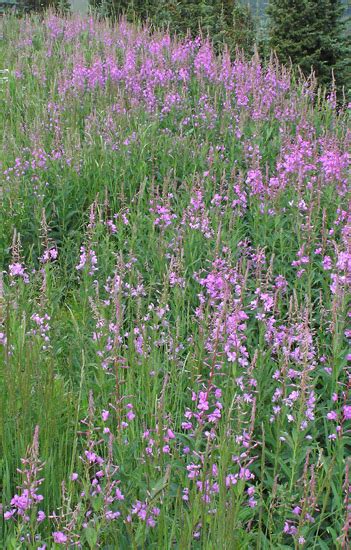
(175, 295)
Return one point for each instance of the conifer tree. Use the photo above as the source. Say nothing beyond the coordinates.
(310, 33)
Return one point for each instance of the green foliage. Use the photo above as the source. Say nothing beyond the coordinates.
(311, 34)
(75, 157)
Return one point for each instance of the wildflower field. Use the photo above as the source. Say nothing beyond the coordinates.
(175, 245)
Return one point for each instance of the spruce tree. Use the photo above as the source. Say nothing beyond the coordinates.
(310, 33)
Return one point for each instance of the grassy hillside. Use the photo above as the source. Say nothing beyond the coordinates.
(175, 247)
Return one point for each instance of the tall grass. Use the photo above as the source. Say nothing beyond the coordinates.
(175, 239)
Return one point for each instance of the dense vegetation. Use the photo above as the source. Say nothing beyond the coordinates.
(312, 35)
(227, 22)
(176, 244)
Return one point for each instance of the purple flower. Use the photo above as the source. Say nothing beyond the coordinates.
(41, 516)
(22, 502)
(16, 270)
(327, 263)
(105, 415)
(347, 412)
(59, 537)
(118, 494)
(150, 522)
(332, 415)
(170, 434)
(112, 515)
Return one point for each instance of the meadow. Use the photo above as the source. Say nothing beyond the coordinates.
(175, 244)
